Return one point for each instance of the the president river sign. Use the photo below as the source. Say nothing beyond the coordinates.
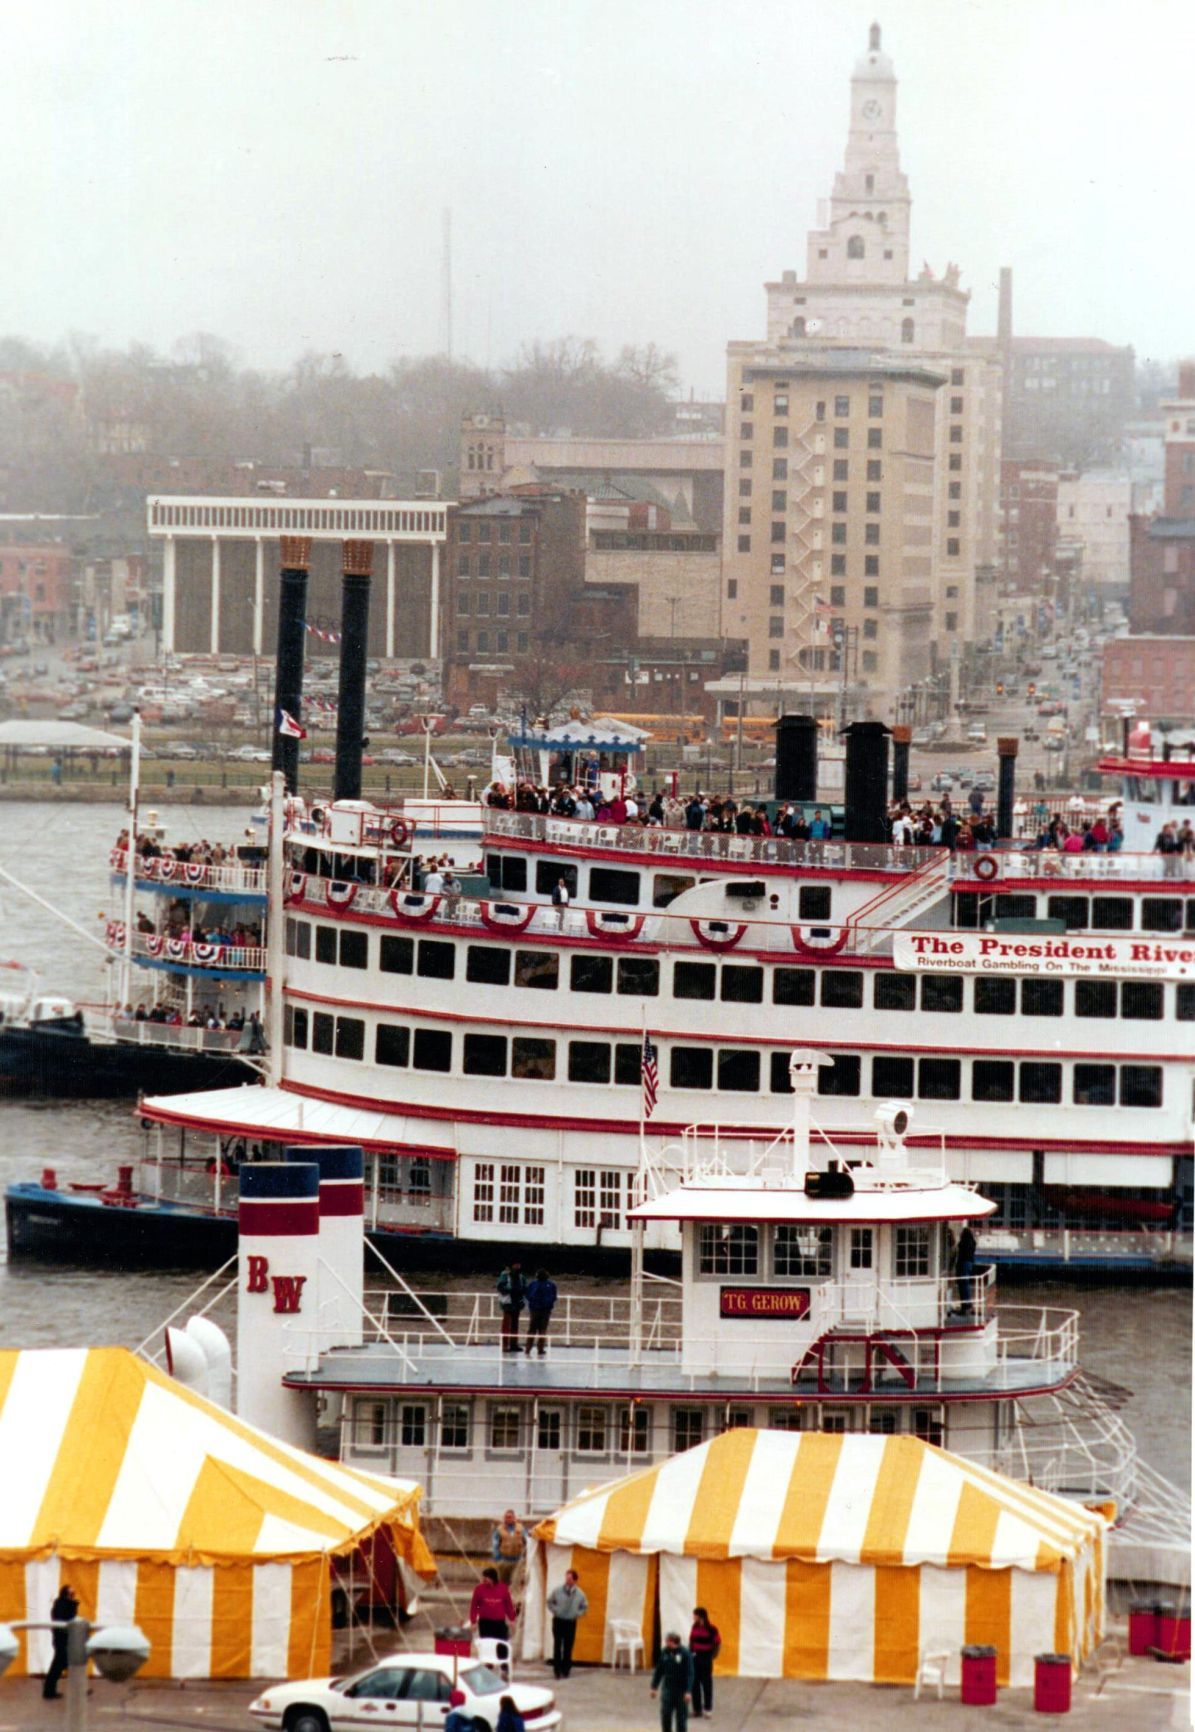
(1016, 953)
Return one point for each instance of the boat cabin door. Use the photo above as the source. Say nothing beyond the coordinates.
(857, 1254)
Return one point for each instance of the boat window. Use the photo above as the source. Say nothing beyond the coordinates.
(840, 1078)
(911, 1251)
(588, 1061)
(592, 1429)
(971, 910)
(693, 979)
(691, 1067)
(862, 1247)
(1141, 1000)
(741, 985)
(592, 974)
(398, 955)
(1041, 1084)
(454, 1425)
(781, 1082)
(786, 1419)
(538, 969)
(992, 1079)
(1095, 998)
(505, 1427)
(728, 1250)
(483, 1191)
(325, 944)
(437, 959)
(1095, 1085)
(802, 1250)
(550, 1432)
(485, 1055)
(793, 986)
(638, 976)
(939, 1079)
(1161, 914)
(1140, 1085)
(294, 1024)
(298, 938)
(738, 1419)
(1041, 997)
(995, 997)
(688, 1428)
(941, 992)
(895, 991)
(487, 965)
(738, 1071)
(412, 1425)
(1073, 909)
(842, 989)
(813, 902)
(628, 1063)
(881, 1421)
(548, 874)
(323, 1028)
(354, 949)
(1016, 907)
(507, 871)
(393, 1044)
(1112, 913)
(634, 1431)
(667, 886)
(350, 1037)
(891, 1077)
(612, 884)
(1185, 1003)
(533, 1059)
(929, 1424)
(433, 1049)
(369, 1424)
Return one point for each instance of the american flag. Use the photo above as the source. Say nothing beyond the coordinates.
(651, 1077)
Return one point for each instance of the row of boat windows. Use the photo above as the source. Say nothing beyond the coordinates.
(620, 886)
(596, 1428)
(1082, 913)
(742, 983)
(734, 1070)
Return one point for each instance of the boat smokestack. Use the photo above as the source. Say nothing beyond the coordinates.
(341, 1291)
(866, 800)
(277, 1294)
(796, 758)
(354, 650)
(902, 737)
(292, 642)
(1006, 792)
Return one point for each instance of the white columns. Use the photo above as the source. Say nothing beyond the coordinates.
(168, 584)
(259, 578)
(434, 629)
(215, 639)
(391, 575)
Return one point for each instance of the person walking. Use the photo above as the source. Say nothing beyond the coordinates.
(512, 1293)
(508, 1545)
(704, 1643)
(567, 1604)
(541, 1297)
(491, 1610)
(672, 1681)
(964, 1265)
(64, 1609)
(560, 902)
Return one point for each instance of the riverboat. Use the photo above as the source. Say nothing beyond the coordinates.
(486, 1045)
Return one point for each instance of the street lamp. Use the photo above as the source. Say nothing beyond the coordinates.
(119, 1652)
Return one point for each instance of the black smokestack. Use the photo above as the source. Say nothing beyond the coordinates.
(354, 649)
(902, 736)
(1006, 752)
(866, 782)
(292, 636)
(796, 758)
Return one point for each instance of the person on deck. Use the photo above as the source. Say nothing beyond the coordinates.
(508, 1545)
(512, 1293)
(541, 1298)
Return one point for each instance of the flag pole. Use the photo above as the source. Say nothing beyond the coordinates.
(639, 1193)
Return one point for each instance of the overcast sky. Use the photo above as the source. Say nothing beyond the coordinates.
(276, 170)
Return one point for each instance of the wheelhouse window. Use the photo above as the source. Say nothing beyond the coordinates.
(727, 1250)
(634, 1431)
(862, 1247)
(804, 1251)
(688, 1428)
(412, 1425)
(911, 1251)
(454, 1425)
(593, 1429)
(505, 1428)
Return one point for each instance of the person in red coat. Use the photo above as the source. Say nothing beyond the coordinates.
(491, 1609)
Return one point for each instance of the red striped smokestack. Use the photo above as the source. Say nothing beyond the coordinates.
(357, 568)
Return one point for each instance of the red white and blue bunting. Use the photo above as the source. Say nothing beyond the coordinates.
(340, 894)
(718, 934)
(604, 923)
(819, 941)
(507, 916)
(408, 905)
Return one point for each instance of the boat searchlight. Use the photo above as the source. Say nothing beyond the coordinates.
(893, 1120)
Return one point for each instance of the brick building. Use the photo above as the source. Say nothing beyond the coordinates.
(1029, 522)
(1067, 398)
(1162, 548)
(37, 590)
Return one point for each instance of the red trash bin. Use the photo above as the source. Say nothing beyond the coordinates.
(456, 1640)
(977, 1683)
(1143, 1629)
(1052, 1683)
(1173, 1632)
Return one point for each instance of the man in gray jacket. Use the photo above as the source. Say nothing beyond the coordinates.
(566, 1603)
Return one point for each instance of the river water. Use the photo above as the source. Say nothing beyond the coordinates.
(1134, 1336)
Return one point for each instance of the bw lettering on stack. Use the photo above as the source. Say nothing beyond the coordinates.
(341, 1284)
(278, 1297)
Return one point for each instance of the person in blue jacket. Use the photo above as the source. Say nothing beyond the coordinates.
(541, 1297)
(672, 1680)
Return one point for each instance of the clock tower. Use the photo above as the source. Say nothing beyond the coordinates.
(864, 236)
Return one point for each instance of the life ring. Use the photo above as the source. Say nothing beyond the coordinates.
(400, 832)
(986, 867)
(605, 923)
(718, 934)
(507, 916)
(413, 906)
(807, 944)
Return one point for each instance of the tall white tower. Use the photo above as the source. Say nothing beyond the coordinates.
(864, 236)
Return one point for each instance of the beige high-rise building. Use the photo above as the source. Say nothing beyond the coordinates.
(858, 309)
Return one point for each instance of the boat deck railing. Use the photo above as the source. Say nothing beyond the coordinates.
(1140, 1243)
(194, 953)
(174, 874)
(106, 1023)
(213, 1185)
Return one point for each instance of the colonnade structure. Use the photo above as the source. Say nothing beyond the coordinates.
(227, 606)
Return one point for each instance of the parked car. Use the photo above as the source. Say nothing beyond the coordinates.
(412, 1688)
(942, 783)
(250, 755)
(394, 755)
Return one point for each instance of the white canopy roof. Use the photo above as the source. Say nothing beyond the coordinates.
(282, 1115)
(742, 1201)
(59, 736)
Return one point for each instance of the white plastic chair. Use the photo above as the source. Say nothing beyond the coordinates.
(932, 1670)
(625, 1638)
(495, 1652)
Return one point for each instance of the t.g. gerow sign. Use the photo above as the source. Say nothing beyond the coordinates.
(1014, 953)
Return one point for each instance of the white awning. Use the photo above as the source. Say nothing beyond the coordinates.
(758, 1204)
(281, 1115)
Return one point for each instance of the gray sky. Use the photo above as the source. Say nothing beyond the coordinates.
(275, 170)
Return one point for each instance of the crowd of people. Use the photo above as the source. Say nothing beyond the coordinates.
(201, 853)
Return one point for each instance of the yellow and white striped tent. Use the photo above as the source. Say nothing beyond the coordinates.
(827, 1556)
(160, 1508)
